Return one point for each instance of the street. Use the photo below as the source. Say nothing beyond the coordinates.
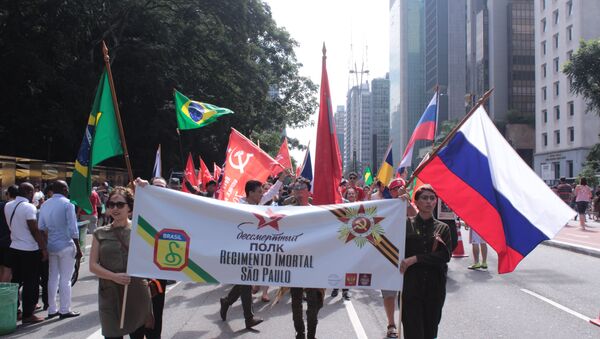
(552, 293)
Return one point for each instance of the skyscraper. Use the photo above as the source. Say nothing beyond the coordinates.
(380, 121)
(339, 118)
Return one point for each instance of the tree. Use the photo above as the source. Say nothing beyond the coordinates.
(228, 53)
(583, 71)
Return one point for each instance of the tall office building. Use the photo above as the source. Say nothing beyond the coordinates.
(445, 49)
(380, 122)
(408, 95)
(339, 118)
(565, 132)
(357, 128)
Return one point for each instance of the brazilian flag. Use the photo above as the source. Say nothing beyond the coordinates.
(101, 141)
(368, 176)
(193, 114)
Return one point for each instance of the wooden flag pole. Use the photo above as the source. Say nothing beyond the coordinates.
(481, 101)
(180, 148)
(117, 112)
(122, 323)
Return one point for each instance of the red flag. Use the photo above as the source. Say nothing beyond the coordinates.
(328, 162)
(283, 157)
(204, 174)
(244, 161)
(216, 171)
(189, 174)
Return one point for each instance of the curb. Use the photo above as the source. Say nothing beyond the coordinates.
(573, 248)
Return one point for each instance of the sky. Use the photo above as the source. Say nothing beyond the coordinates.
(354, 31)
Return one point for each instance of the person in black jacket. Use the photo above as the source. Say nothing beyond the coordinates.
(427, 252)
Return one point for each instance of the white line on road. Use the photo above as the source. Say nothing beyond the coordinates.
(360, 331)
(557, 305)
(98, 333)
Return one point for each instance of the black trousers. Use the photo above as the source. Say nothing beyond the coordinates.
(421, 313)
(314, 300)
(26, 271)
(44, 270)
(158, 304)
(245, 293)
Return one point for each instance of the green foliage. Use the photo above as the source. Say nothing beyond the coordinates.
(592, 166)
(444, 129)
(583, 70)
(227, 53)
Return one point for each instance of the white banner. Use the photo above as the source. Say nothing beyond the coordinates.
(179, 236)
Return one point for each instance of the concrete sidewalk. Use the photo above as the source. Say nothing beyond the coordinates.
(574, 239)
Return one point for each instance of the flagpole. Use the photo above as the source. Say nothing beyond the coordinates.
(446, 140)
(180, 147)
(437, 113)
(117, 112)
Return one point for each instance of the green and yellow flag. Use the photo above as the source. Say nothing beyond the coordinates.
(368, 176)
(100, 142)
(194, 114)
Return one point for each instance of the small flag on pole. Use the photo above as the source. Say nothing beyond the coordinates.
(157, 171)
(194, 114)
(368, 176)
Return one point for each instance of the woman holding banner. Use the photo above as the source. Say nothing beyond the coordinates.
(108, 260)
(427, 253)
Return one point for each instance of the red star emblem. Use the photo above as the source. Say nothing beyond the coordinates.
(273, 219)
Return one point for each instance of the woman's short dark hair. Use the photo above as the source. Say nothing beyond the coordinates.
(125, 193)
(251, 186)
(424, 188)
(583, 181)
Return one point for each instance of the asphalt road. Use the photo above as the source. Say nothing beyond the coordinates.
(552, 294)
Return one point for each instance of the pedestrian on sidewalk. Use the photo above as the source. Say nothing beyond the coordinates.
(477, 242)
(583, 196)
(596, 205)
(58, 221)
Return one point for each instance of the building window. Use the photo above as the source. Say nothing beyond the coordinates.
(545, 139)
(570, 33)
(570, 54)
(543, 47)
(543, 70)
(556, 64)
(543, 24)
(556, 89)
(555, 38)
(543, 4)
(571, 108)
(544, 94)
(569, 8)
(555, 17)
(557, 137)
(557, 112)
(569, 168)
(571, 134)
(545, 116)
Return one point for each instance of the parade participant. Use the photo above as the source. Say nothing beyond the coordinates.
(59, 223)
(211, 188)
(27, 248)
(583, 196)
(92, 217)
(5, 273)
(427, 252)
(108, 261)
(314, 296)
(254, 194)
(477, 242)
(349, 196)
(352, 178)
(38, 196)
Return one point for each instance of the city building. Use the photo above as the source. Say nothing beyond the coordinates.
(380, 122)
(339, 118)
(357, 146)
(564, 131)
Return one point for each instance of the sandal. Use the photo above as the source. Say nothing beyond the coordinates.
(265, 299)
(475, 266)
(392, 332)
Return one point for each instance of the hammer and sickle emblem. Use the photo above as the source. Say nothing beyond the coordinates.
(241, 161)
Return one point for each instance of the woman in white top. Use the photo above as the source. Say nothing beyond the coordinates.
(583, 196)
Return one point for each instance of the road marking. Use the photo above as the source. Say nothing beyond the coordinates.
(557, 305)
(98, 333)
(358, 328)
(581, 246)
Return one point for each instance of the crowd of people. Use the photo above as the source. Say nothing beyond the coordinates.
(581, 198)
(49, 234)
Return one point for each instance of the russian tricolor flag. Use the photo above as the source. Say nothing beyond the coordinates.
(305, 170)
(492, 189)
(425, 130)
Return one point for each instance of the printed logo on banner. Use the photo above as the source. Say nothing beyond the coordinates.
(362, 226)
(351, 279)
(271, 219)
(364, 279)
(171, 249)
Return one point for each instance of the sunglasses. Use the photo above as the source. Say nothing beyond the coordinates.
(118, 204)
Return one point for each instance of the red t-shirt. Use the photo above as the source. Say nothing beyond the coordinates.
(95, 201)
(360, 193)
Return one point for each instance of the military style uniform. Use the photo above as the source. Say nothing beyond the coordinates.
(424, 289)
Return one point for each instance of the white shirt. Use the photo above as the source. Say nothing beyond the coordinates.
(37, 196)
(20, 236)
